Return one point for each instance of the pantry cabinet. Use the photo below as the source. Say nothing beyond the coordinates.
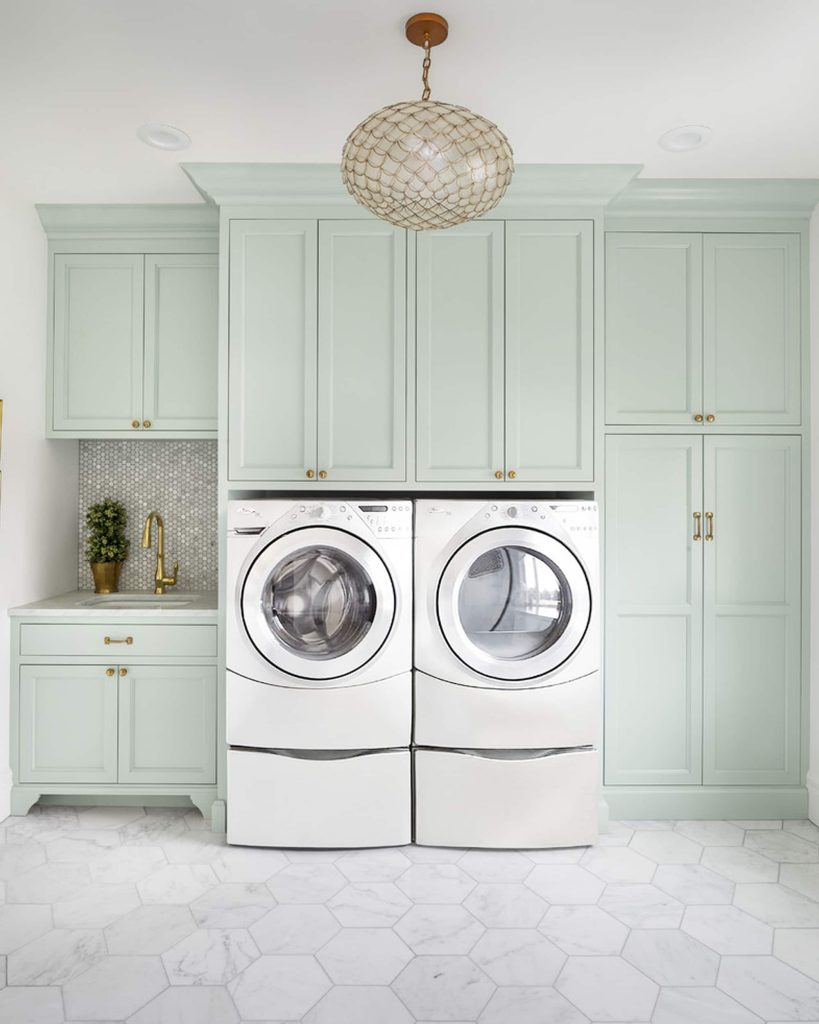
(703, 586)
(702, 328)
(317, 351)
(134, 345)
(504, 352)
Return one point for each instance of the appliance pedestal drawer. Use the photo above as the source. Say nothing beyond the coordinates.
(319, 799)
(506, 799)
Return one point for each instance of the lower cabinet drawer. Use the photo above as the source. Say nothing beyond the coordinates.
(118, 640)
(505, 799)
(312, 800)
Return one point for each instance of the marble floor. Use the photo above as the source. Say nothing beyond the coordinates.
(122, 914)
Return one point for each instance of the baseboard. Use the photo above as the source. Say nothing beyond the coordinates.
(746, 802)
(812, 783)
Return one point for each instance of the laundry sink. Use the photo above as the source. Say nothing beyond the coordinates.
(131, 602)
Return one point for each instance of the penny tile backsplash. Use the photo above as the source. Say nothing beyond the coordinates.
(178, 479)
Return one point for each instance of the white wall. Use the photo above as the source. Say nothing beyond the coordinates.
(813, 768)
(38, 498)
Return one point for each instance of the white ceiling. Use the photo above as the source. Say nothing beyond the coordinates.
(575, 81)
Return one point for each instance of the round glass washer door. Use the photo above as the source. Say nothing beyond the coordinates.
(318, 603)
(513, 604)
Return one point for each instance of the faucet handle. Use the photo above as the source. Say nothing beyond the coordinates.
(170, 581)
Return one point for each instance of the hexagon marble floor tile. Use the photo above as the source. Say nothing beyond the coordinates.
(115, 914)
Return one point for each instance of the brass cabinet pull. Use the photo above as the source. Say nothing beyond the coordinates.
(698, 418)
(322, 474)
(697, 526)
(709, 525)
(127, 640)
(710, 418)
(146, 424)
(135, 424)
(109, 671)
(123, 671)
(511, 474)
(499, 474)
(310, 474)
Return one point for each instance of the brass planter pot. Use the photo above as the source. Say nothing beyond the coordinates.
(106, 576)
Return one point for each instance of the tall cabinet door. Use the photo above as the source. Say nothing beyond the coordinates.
(362, 373)
(549, 350)
(752, 328)
(653, 327)
(752, 610)
(653, 582)
(97, 345)
(181, 341)
(273, 341)
(460, 353)
(68, 723)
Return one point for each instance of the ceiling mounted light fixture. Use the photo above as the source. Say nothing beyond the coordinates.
(163, 136)
(687, 136)
(425, 164)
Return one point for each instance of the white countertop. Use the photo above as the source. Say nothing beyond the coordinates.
(127, 604)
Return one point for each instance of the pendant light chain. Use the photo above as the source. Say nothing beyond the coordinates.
(425, 68)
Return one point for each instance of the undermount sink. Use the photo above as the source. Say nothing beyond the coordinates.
(136, 601)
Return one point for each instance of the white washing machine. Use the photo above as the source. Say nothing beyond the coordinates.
(507, 660)
(319, 672)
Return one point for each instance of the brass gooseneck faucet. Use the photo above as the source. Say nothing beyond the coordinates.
(160, 579)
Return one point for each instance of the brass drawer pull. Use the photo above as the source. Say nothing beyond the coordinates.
(110, 640)
(310, 474)
(123, 671)
(698, 418)
(322, 474)
(135, 424)
(710, 418)
(697, 526)
(146, 424)
(511, 474)
(709, 525)
(499, 474)
(109, 672)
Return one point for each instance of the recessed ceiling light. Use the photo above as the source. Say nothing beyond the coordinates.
(163, 136)
(687, 136)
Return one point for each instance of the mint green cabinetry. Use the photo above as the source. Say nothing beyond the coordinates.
(703, 644)
(504, 352)
(317, 351)
(702, 328)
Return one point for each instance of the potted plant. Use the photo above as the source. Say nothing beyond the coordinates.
(107, 545)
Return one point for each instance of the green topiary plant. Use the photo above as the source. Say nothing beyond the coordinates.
(107, 541)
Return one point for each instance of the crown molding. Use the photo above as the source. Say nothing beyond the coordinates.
(716, 197)
(532, 184)
(117, 220)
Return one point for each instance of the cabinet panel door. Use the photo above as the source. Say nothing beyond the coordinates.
(273, 296)
(460, 360)
(752, 611)
(167, 725)
(181, 341)
(362, 374)
(68, 724)
(752, 328)
(653, 327)
(549, 349)
(653, 587)
(97, 356)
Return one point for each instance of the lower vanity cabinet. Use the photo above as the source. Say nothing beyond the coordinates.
(703, 613)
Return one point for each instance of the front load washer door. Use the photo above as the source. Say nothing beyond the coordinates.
(318, 603)
(513, 604)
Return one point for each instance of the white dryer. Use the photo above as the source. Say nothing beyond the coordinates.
(507, 657)
(319, 681)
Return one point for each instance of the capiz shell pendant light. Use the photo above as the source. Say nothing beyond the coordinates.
(424, 164)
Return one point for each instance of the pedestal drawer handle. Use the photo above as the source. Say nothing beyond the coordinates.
(126, 640)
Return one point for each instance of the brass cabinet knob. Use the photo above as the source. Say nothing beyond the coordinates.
(109, 671)
(698, 418)
(146, 424)
(135, 424)
(322, 474)
(511, 474)
(499, 474)
(310, 474)
(123, 671)
(710, 418)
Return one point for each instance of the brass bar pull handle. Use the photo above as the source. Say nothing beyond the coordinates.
(709, 525)
(697, 526)
(110, 640)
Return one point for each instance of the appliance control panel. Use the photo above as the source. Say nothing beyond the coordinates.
(574, 516)
(387, 518)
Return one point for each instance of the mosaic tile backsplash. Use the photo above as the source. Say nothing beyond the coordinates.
(178, 479)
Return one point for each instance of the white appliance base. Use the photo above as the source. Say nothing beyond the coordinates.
(277, 799)
(506, 801)
(369, 716)
(452, 715)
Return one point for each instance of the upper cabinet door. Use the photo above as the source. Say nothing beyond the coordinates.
(752, 329)
(97, 344)
(273, 341)
(460, 354)
(362, 373)
(181, 342)
(653, 328)
(549, 350)
(752, 611)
